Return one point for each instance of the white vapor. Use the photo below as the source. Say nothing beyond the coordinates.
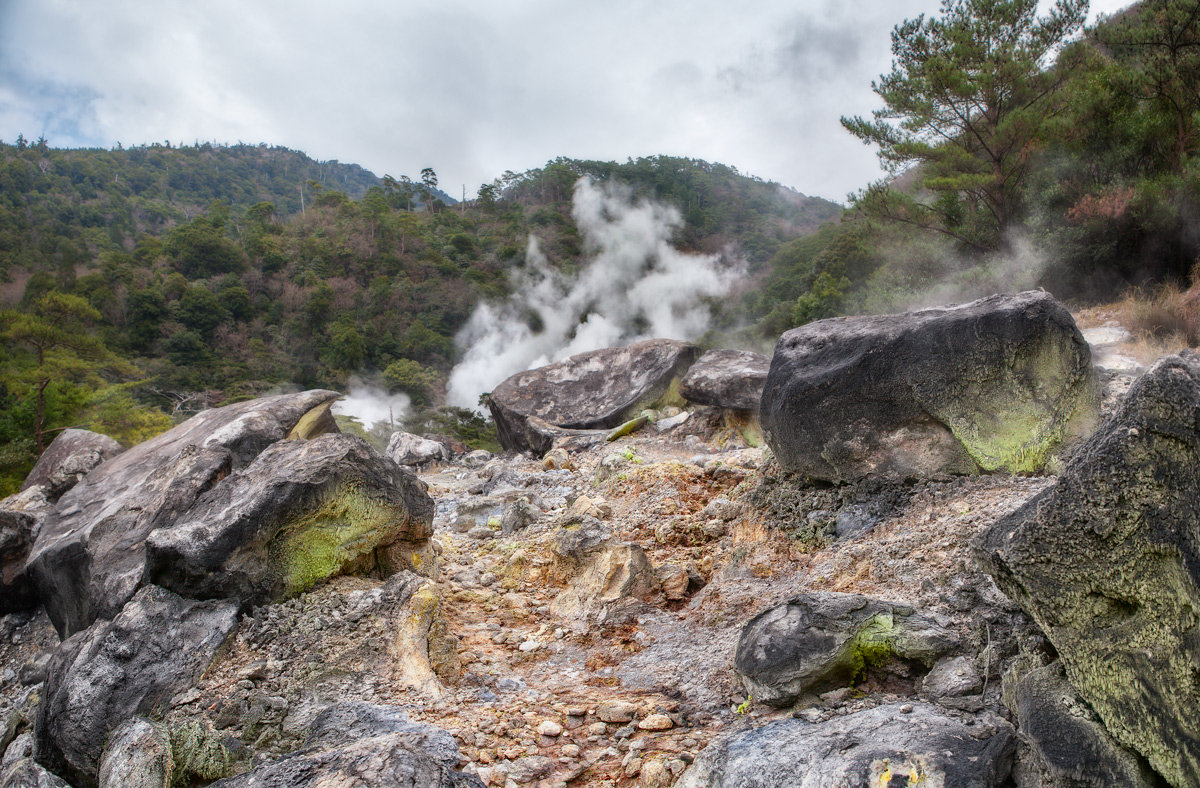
(632, 285)
(372, 406)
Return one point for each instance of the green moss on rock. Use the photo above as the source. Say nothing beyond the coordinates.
(339, 535)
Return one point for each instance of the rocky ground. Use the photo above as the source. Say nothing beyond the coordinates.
(549, 678)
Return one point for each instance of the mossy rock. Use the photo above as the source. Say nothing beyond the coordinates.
(304, 511)
(1107, 562)
(998, 384)
(822, 640)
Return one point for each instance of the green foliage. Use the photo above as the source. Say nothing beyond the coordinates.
(200, 249)
(461, 424)
(413, 379)
(966, 101)
(199, 261)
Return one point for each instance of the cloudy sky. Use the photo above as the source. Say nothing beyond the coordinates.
(469, 88)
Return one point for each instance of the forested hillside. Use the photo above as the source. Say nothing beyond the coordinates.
(146, 283)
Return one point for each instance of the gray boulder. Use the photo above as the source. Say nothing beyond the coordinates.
(597, 390)
(68, 458)
(20, 770)
(995, 385)
(137, 755)
(1107, 562)
(821, 640)
(731, 379)
(1072, 748)
(300, 513)
(952, 677)
(404, 448)
(358, 745)
(159, 645)
(89, 559)
(893, 745)
(17, 589)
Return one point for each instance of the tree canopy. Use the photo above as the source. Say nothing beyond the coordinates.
(966, 100)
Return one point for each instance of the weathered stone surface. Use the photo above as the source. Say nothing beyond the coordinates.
(89, 557)
(301, 512)
(1073, 749)
(137, 755)
(420, 647)
(358, 745)
(892, 745)
(596, 390)
(19, 770)
(952, 677)
(997, 384)
(69, 458)
(615, 574)
(158, 645)
(17, 532)
(731, 379)
(1107, 562)
(407, 449)
(518, 515)
(824, 639)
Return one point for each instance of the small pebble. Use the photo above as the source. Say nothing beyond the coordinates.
(550, 728)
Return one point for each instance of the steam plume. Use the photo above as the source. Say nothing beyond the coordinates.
(372, 406)
(632, 285)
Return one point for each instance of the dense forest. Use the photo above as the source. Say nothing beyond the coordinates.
(144, 284)
(141, 284)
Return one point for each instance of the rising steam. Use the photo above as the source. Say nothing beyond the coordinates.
(632, 285)
(372, 406)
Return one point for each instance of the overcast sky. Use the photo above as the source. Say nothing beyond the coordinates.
(471, 89)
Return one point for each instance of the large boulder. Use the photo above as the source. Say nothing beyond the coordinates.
(731, 379)
(596, 390)
(358, 745)
(1107, 562)
(159, 645)
(892, 745)
(1071, 747)
(823, 639)
(89, 556)
(68, 458)
(300, 513)
(995, 385)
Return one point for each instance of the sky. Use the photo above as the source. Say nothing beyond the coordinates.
(469, 88)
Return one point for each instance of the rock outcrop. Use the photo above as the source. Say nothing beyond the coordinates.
(614, 574)
(995, 385)
(824, 639)
(596, 390)
(89, 558)
(301, 512)
(357, 745)
(1107, 562)
(68, 458)
(891, 745)
(731, 379)
(158, 645)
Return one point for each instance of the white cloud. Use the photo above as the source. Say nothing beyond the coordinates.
(470, 88)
